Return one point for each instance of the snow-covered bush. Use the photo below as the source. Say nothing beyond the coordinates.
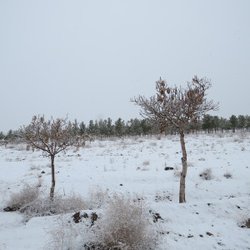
(59, 205)
(66, 236)
(97, 197)
(27, 195)
(31, 203)
(125, 224)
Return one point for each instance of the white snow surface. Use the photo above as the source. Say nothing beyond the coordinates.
(210, 219)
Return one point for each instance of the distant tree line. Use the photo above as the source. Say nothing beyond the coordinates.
(120, 128)
(214, 123)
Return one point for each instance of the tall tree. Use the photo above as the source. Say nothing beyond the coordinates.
(75, 128)
(207, 123)
(110, 127)
(91, 127)
(119, 127)
(52, 137)
(216, 123)
(241, 121)
(82, 128)
(2, 136)
(247, 122)
(146, 126)
(177, 107)
(233, 122)
(134, 127)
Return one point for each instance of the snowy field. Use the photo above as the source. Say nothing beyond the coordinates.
(212, 218)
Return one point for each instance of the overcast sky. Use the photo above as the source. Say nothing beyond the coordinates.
(87, 58)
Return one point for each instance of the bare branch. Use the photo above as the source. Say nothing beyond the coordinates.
(51, 136)
(175, 106)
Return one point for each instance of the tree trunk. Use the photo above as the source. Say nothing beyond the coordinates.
(182, 198)
(53, 181)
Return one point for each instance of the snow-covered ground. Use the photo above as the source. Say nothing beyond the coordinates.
(210, 219)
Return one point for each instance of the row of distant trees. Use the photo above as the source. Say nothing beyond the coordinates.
(214, 123)
(119, 127)
(209, 124)
(101, 128)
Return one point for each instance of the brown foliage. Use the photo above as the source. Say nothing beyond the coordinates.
(176, 106)
(51, 136)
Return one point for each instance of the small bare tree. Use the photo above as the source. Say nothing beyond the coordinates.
(52, 137)
(177, 107)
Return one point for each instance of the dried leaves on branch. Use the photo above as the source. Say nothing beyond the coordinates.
(51, 136)
(177, 106)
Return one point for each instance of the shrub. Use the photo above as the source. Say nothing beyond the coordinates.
(59, 205)
(206, 174)
(65, 236)
(124, 225)
(29, 202)
(23, 198)
(97, 197)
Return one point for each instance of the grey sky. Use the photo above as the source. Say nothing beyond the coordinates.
(87, 58)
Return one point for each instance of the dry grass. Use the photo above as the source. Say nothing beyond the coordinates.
(124, 225)
(97, 197)
(59, 205)
(31, 203)
(27, 195)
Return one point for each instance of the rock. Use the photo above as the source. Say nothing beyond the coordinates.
(11, 209)
(209, 234)
(93, 218)
(156, 216)
(43, 172)
(168, 168)
(76, 217)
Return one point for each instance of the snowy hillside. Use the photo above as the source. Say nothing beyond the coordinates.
(217, 191)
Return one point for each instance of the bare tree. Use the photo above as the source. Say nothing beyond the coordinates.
(177, 107)
(52, 137)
